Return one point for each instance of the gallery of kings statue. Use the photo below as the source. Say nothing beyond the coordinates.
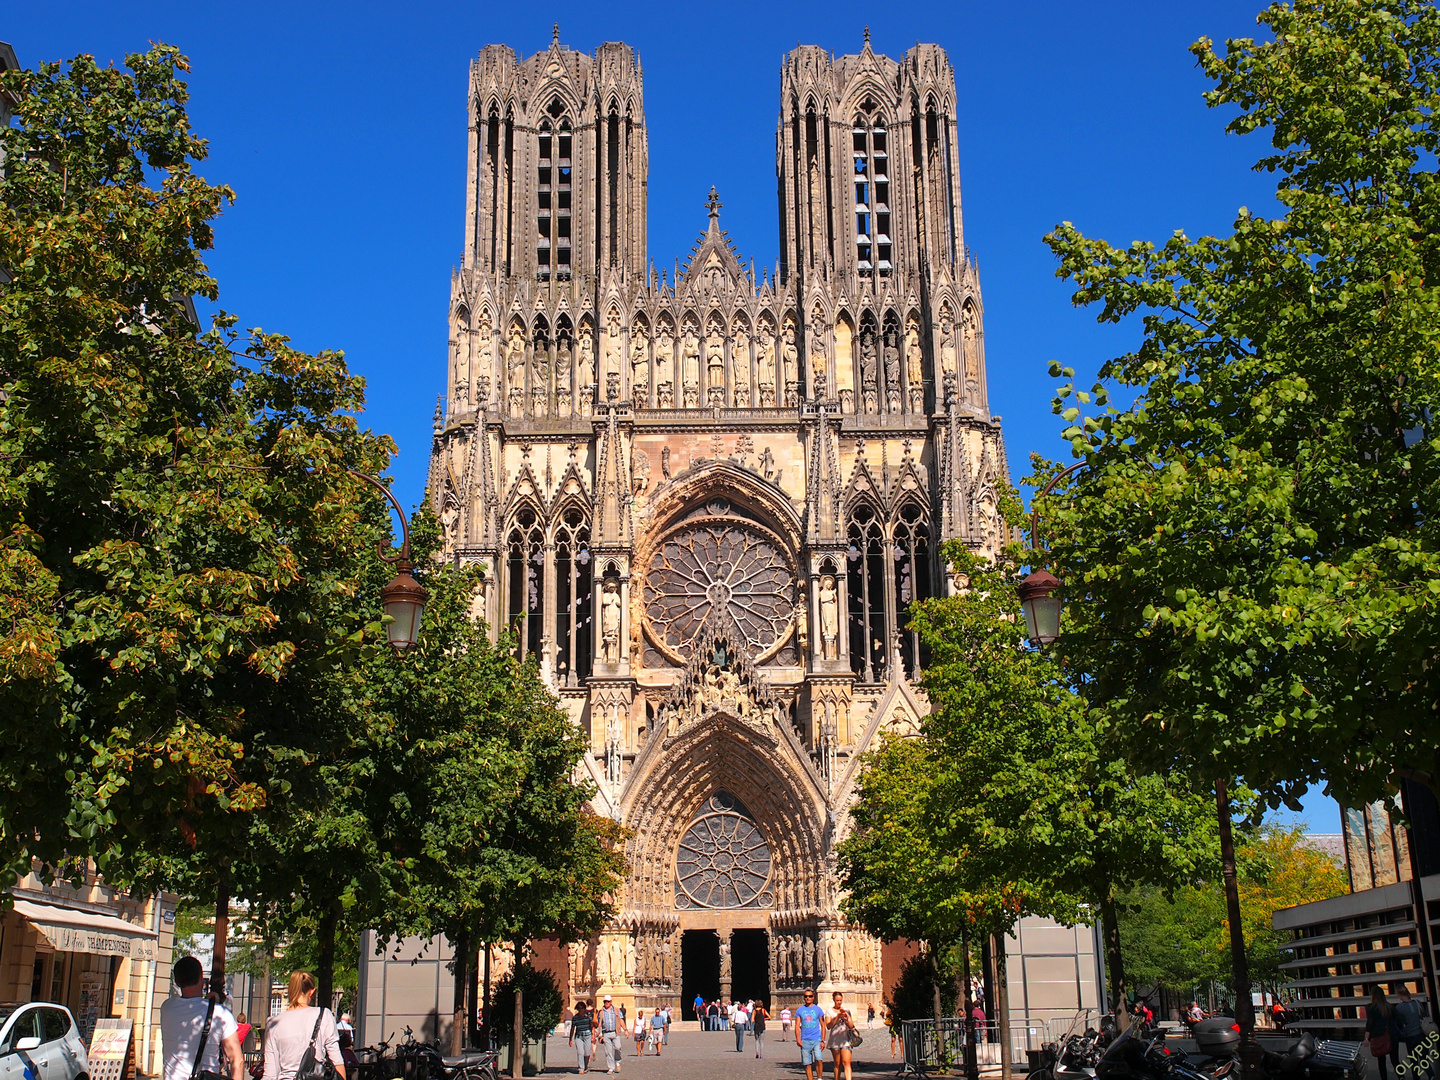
(706, 495)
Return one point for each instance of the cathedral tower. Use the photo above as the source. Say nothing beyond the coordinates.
(706, 503)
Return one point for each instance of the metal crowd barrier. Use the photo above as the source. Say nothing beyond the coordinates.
(938, 1045)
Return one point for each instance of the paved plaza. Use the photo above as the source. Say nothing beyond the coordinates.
(710, 1055)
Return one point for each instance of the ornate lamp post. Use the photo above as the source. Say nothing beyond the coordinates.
(1037, 591)
(403, 599)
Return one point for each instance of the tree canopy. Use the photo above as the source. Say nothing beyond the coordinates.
(1250, 558)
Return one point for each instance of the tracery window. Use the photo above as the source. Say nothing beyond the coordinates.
(574, 627)
(525, 582)
(866, 585)
(871, 152)
(554, 174)
(911, 555)
(723, 859)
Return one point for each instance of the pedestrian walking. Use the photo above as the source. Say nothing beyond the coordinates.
(758, 1016)
(870, 1016)
(639, 1032)
(612, 1023)
(699, 1005)
(1408, 1029)
(194, 1029)
(301, 1026)
(840, 1033)
(738, 1023)
(785, 1021)
(657, 1030)
(582, 1036)
(809, 1031)
(665, 1031)
(1380, 1030)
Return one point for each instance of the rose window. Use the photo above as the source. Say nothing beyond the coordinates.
(724, 860)
(719, 561)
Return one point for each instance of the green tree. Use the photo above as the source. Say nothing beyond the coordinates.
(177, 519)
(1250, 559)
(1025, 793)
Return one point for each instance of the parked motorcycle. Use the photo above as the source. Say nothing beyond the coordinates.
(1139, 1054)
(1285, 1057)
(423, 1061)
(1074, 1056)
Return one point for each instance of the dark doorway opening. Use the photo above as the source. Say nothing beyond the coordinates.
(750, 965)
(699, 969)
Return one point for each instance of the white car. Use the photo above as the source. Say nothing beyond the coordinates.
(39, 1041)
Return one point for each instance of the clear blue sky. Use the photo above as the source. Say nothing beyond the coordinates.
(343, 130)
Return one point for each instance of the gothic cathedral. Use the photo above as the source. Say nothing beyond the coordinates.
(706, 499)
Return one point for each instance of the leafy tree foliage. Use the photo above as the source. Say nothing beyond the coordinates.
(1250, 557)
(1182, 942)
(176, 517)
(540, 1003)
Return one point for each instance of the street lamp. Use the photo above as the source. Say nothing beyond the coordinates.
(1041, 606)
(403, 600)
(1037, 590)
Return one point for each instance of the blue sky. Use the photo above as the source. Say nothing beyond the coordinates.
(343, 130)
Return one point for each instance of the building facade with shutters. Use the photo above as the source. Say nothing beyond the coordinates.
(705, 497)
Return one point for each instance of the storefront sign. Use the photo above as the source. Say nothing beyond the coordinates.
(97, 942)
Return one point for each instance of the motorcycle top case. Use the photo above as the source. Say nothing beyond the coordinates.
(1217, 1036)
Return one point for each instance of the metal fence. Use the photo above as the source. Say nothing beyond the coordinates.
(939, 1045)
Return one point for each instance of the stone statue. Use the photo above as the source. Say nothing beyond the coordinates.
(664, 349)
(829, 617)
(612, 346)
(462, 360)
(665, 961)
(892, 359)
(563, 357)
(969, 334)
(809, 971)
(802, 622)
(915, 372)
(765, 363)
(724, 957)
(610, 623)
(690, 367)
(715, 356)
(790, 356)
(541, 362)
(767, 464)
(665, 462)
(586, 346)
(515, 355)
(947, 344)
(867, 357)
(639, 471)
(640, 363)
(835, 959)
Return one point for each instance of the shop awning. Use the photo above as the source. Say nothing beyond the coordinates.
(72, 930)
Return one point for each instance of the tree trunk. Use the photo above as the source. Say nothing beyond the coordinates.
(472, 1024)
(972, 1059)
(325, 967)
(1244, 1007)
(935, 981)
(485, 1016)
(222, 938)
(517, 1035)
(1114, 960)
(462, 981)
(1002, 1006)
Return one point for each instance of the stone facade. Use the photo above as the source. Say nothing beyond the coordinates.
(705, 497)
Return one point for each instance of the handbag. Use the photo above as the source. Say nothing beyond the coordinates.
(1380, 1044)
(311, 1066)
(197, 1073)
(856, 1039)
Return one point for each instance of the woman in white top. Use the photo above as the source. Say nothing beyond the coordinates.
(288, 1035)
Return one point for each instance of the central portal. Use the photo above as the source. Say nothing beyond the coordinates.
(699, 969)
(750, 960)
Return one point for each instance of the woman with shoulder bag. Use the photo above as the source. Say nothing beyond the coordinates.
(1380, 1030)
(303, 1041)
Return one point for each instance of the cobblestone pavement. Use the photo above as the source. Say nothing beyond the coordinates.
(710, 1055)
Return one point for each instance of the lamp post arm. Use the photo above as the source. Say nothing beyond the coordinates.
(403, 559)
(1035, 513)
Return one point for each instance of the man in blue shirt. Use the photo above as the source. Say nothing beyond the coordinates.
(809, 1034)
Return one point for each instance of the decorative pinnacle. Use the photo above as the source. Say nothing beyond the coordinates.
(713, 203)
(555, 36)
(867, 36)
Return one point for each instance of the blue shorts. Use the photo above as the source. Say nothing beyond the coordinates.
(810, 1052)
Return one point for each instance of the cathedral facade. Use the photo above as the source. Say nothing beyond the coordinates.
(705, 497)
